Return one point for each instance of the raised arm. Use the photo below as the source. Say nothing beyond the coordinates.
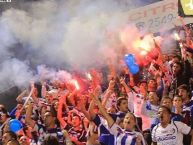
(43, 90)
(91, 111)
(106, 97)
(109, 119)
(62, 101)
(108, 92)
(21, 95)
(28, 118)
(122, 81)
(71, 97)
(34, 96)
(88, 114)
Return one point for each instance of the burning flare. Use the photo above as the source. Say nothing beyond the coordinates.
(89, 76)
(75, 83)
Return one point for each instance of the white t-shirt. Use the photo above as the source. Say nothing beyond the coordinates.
(135, 104)
(171, 135)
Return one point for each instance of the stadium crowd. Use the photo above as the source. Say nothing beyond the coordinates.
(114, 107)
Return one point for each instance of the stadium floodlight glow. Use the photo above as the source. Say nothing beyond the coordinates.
(185, 8)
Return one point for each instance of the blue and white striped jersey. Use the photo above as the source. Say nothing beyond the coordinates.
(104, 135)
(123, 137)
(43, 133)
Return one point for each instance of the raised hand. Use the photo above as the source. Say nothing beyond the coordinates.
(97, 91)
(111, 84)
(122, 81)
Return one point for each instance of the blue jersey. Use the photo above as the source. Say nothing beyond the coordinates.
(187, 113)
(104, 135)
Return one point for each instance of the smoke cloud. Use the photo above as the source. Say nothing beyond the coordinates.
(59, 34)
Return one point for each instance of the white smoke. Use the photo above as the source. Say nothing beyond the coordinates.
(14, 72)
(46, 73)
(59, 33)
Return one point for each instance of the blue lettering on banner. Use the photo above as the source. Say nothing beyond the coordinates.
(166, 138)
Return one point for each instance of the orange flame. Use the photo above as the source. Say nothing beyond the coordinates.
(88, 75)
(75, 83)
(143, 52)
(176, 36)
